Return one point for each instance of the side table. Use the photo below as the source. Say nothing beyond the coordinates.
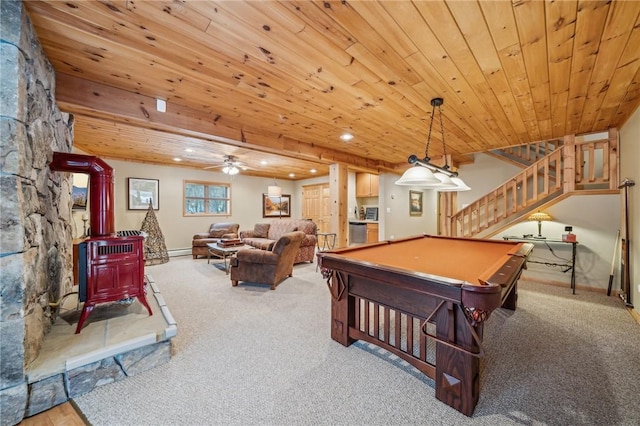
(328, 240)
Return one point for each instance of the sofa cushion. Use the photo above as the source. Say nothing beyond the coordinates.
(280, 227)
(261, 230)
(261, 243)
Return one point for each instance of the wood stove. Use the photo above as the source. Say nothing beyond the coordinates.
(110, 266)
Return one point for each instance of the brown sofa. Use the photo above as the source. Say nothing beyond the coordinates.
(216, 232)
(264, 236)
(267, 266)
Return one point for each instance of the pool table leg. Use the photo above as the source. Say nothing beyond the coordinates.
(342, 309)
(457, 373)
(512, 298)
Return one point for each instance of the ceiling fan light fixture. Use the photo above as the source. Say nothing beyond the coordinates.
(230, 170)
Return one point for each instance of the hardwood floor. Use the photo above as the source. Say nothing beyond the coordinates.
(60, 415)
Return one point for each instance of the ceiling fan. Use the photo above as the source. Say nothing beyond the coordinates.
(230, 165)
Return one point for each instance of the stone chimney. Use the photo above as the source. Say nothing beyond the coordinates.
(35, 222)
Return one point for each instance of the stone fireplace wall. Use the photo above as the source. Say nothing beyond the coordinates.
(35, 220)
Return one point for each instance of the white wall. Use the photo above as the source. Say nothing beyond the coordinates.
(484, 175)
(394, 210)
(595, 222)
(630, 168)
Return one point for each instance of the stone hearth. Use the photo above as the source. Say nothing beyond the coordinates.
(118, 340)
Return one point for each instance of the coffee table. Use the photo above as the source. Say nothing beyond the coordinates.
(224, 253)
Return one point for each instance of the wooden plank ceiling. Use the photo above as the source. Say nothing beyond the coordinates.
(280, 81)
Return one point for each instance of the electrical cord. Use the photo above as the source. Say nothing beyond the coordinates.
(56, 305)
(567, 265)
(554, 254)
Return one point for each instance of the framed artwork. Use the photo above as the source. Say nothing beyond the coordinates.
(415, 203)
(79, 191)
(276, 206)
(142, 192)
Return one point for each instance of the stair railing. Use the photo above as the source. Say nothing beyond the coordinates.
(531, 152)
(577, 167)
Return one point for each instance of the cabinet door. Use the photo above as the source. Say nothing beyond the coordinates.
(372, 232)
(374, 184)
(366, 185)
(362, 184)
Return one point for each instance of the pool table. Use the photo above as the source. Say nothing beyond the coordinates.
(425, 299)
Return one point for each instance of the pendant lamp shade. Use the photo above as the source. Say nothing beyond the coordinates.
(274, 190)
(418, 176)
(445, 181)
(459, 185)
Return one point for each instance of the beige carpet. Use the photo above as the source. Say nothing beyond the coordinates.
(249, 356)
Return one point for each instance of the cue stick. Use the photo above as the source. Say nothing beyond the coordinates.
(627, 268)
(613, 262)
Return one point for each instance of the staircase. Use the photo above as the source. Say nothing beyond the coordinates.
(584, 167)
(526, 155)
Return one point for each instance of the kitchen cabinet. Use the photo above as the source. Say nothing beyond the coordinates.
(367, 185)
(372, 232)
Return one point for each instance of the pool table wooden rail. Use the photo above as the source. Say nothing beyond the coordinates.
(434, 323)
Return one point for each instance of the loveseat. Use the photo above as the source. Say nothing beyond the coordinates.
(217, 231)
(264, 235)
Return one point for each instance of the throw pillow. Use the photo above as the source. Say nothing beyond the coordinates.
(261, 230)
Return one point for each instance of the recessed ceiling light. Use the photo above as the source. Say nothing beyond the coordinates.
(292, 175)
(313, 171)
(177, 159)
(263, 162)
(188, 150)
(346, 136)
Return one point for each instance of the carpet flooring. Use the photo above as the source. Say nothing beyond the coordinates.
(247, 355)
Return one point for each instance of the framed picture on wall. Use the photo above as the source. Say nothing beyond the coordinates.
(141, 192)
(415, 203)
(276, 206)
(79, 191)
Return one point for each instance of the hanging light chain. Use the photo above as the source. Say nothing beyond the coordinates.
(426, 150)
(444, 146)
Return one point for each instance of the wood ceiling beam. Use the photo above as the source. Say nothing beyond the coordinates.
(79, 96)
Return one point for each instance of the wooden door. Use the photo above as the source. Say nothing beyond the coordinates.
(316, 205)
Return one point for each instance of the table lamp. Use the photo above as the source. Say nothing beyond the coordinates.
(539, 217)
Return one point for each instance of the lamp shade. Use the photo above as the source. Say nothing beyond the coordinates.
(459, 186)
(445, 181)
(539, 216)
(274, 191)
(418, 176)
